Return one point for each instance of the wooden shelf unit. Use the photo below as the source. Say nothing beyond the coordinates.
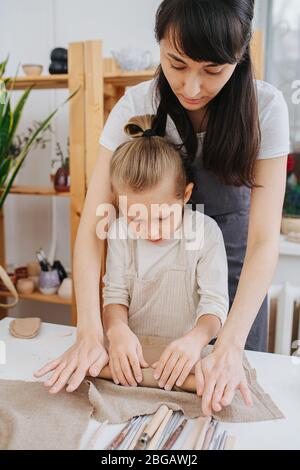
(101, 83)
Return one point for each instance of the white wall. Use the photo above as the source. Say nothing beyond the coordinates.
(29, 30)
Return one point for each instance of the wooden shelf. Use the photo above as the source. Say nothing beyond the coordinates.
(44, 82)
(37, 191)
(41, 82)
(37, 296)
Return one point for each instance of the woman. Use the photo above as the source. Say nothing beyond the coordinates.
(235, 135)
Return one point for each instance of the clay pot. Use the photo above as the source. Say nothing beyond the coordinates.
(62, 180)
(25, 286)
(35, 280)
(21, 273)
(33, 268)
(65, 289)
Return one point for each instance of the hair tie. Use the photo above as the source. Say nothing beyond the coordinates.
(149, 133)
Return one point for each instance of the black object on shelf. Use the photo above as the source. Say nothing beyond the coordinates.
(59, 61)
(60, 269)
(59, 54)
(56, 68)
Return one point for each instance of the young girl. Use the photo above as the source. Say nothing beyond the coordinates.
(166, 271)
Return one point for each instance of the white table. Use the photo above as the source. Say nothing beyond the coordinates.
(279, 375)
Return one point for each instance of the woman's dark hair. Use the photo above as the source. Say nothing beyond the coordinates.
(217, 31)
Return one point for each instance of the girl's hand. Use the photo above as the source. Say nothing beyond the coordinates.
(178, 359)
(218, 376)
(87, 354)
(125, 356)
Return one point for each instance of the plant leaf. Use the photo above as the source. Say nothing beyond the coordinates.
(27, 148)
(3, 66)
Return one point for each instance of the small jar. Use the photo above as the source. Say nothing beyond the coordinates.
(25, 286)
(49, 282)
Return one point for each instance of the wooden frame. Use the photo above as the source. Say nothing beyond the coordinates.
(101, 85)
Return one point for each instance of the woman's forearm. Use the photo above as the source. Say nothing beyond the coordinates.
(86, 273)
(256, 277)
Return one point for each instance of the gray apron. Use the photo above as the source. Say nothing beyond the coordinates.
(229, 207)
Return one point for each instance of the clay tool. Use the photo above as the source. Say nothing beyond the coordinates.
(93, 440)
(211, 445)
(139, 433)
(209, 435)
(222, 441)
(174, 436)
(121, 436)
(216, 442)
(193, 435)
(152, 427)
(131, 434)
(230, 443)
(202, 434)
(176, 418)
(155, 439)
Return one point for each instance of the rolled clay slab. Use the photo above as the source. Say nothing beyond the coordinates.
(25, 328)
(153, 346)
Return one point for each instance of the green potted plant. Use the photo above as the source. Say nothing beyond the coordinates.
(61, 176)
(10, 164)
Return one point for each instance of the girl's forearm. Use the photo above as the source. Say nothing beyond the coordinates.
(256, 277)
(207, 328)
(114, 315)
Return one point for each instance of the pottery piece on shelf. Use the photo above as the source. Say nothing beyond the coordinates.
(49, 282)
(133, 59)
(21, 272)
(59, 54)
(32, 69)
(25, 286)
(35, 280)
(56, 68)
(65, 289)
(290, 224)
(33, 268)
(62, 180)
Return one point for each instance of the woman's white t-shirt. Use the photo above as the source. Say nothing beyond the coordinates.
(140, 99)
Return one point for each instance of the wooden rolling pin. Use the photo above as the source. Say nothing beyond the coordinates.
(189, 384)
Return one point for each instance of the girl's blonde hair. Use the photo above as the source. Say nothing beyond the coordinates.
(142, 162)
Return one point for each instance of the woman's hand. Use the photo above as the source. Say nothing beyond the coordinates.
(218, 376)
(86, 355)
(125, 356)
(178, 359)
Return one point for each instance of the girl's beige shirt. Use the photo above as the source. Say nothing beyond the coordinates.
(205, 257)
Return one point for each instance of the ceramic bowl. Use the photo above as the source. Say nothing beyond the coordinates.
(32, 69)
